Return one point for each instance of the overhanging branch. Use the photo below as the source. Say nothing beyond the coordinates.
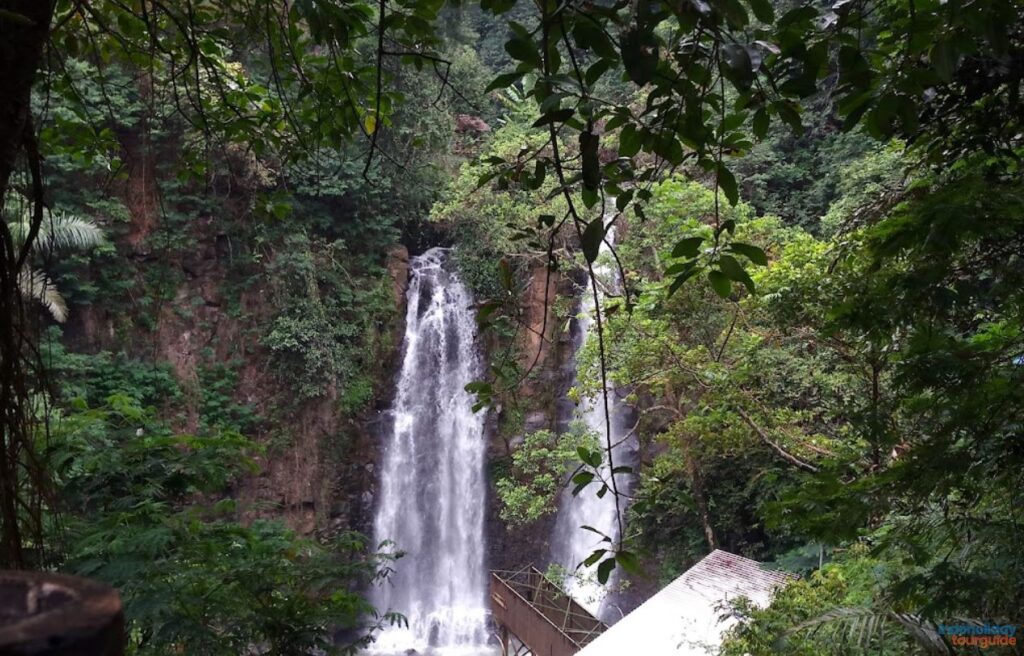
(782, 453)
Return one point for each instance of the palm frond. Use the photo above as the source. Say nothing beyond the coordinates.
(59, 231)
(925, 633)
(18, 228)
(67, 231)
(864, 624)
(34, 284)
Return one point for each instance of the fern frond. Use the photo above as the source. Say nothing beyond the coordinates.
(67, 231)
(19, 230)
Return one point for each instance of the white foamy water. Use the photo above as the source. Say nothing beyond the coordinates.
(571, 544)
(433, 488)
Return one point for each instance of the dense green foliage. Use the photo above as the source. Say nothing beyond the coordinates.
(838, 405)
(541, 465)
(150, 511)
(190, 576)
(241, 283)
(820, 220)
(790, 624)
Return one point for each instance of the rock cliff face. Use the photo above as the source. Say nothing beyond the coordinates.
(317, 469)
(362, 489)
(317, 477)
(545, 350)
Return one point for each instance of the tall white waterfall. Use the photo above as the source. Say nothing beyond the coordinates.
(432, 486)
(571, 544)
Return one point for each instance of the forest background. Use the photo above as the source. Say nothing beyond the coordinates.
(819, 217)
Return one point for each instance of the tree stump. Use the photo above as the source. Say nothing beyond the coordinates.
(45, 614)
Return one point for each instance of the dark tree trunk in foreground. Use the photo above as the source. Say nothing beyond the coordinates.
(24, 26)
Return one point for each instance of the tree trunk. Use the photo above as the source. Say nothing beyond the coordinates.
(24, 27)
(697, 486)
(21, 50)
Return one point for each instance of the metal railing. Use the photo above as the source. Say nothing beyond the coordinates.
(540, 613)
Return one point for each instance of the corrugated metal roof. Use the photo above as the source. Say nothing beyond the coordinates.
(683, 619)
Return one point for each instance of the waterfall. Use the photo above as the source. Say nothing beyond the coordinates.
(432, 486)
(570, 544)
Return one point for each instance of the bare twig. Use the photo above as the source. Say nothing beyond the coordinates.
(785, 455)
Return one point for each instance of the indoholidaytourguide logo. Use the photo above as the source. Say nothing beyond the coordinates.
(980, 635)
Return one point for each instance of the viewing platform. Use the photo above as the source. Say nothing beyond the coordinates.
(685, 618)
(536, 616)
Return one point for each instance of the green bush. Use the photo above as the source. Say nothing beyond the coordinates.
(143, 509)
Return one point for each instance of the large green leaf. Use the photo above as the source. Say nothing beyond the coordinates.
(720, 283)
(639, 54)
(591, 239)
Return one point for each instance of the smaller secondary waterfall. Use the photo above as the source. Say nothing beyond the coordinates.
(571, 544)
(432, 480)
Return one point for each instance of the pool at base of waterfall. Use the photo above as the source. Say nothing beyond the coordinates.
(397, 644)
(442, 651)
(438, 634)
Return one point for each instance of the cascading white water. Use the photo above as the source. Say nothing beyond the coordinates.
(571, 544)
(432, 481)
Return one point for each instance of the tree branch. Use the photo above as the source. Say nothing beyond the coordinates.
(785, 455)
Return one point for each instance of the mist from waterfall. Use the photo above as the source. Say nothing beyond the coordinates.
(433, 487)
(571, 544)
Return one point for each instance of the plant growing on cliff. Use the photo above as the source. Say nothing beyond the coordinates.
(497, 224)
(330, 318)
(541, 467)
